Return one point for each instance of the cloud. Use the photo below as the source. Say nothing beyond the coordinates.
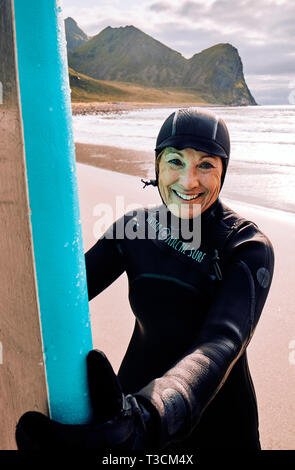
(254, 21)
(271, 89)
(189, 8)
(159, 6)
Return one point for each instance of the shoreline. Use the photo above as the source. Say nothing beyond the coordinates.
(104, 107)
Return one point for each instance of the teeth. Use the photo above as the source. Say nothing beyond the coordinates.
(186, 197)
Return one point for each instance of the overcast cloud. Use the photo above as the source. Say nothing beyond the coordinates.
(263, 31)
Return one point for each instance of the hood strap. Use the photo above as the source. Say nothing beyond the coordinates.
(147, 183)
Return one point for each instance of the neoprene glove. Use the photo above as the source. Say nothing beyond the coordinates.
(121, 422)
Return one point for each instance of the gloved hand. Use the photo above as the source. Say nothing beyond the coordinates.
(121, 422)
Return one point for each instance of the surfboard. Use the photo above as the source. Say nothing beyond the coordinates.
(45, 331)
(22, 372)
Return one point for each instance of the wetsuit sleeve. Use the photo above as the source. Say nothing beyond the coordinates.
(104, 264)
(184, 392)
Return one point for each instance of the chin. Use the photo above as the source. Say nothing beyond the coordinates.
(185, 211)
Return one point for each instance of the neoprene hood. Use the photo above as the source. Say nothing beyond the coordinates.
(196, 128)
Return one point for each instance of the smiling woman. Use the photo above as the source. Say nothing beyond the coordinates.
(184, 382)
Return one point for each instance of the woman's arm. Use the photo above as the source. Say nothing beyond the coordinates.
(183, 393)
(104, 264)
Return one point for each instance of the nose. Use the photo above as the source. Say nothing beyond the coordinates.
(189, 178)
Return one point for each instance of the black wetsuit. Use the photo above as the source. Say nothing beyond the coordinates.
(187, 354)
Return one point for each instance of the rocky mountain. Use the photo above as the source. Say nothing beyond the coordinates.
(126, 54)
(74, 35)
(218, 72)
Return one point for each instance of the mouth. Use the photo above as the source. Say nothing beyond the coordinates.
(186, 197)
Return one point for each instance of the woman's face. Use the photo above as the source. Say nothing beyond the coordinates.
(189, 181)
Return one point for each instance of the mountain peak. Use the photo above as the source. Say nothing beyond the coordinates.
(121, 29)
(127, 27)
(69, 19)
(74, 35)
(132, 28)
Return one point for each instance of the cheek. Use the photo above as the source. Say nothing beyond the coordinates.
(166, 178)
(213, 182)
(162, 184)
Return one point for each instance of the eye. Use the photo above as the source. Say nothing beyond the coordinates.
(175, 161)
(206, 165)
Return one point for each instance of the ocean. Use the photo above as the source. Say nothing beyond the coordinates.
(262, 162)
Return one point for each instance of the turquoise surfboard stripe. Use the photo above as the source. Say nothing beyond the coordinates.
(54, 204)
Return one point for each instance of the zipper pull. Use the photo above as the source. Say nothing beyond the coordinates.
(215, 261)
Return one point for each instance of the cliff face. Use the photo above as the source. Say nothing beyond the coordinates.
(74, 35)
(218, 71)
(126, 54)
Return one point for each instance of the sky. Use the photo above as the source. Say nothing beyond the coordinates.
(263, 31)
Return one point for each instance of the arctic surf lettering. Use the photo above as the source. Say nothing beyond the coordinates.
(184, 248)
(164, 233)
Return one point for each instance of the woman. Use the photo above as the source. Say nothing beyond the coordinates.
(197, 301)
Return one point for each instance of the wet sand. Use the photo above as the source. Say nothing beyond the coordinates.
(271, 358)
(126, 161)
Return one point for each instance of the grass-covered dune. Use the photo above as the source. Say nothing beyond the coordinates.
(86, 89)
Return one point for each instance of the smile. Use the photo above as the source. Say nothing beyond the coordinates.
(185, 197)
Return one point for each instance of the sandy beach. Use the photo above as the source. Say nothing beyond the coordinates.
(105, 107)
(270, 351)
(126, 161)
